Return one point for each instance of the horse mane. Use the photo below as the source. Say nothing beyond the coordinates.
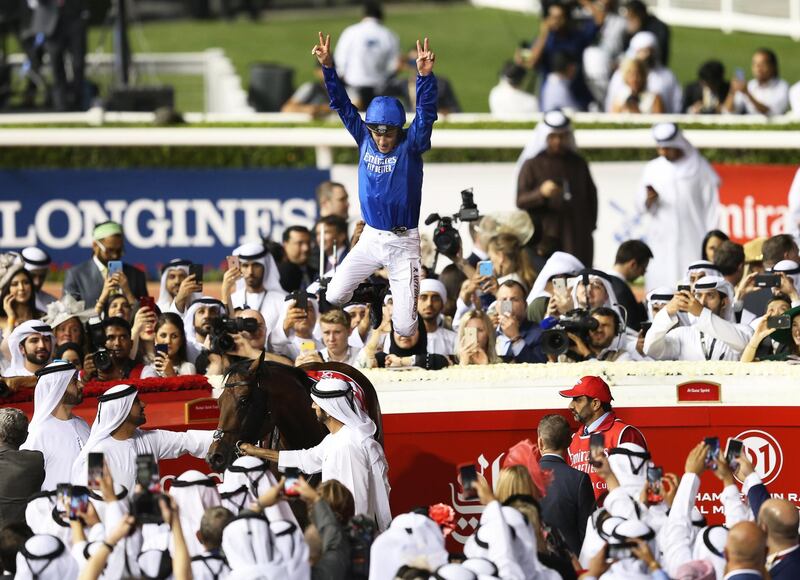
(267, 365)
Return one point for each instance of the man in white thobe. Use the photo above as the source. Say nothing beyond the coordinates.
(258, 285)
(54, 430)
(679, 191)
(116, 434)
(30, 345)
(431, 301)
(713, 334)
(349, 454)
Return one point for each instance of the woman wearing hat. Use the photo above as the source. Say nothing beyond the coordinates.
(784, 343)
(17, 296)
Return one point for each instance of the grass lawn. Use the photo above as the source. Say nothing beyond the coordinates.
(471, 44)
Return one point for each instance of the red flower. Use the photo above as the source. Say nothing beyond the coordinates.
(444, 515)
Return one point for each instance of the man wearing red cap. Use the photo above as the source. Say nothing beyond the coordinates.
(591, 407)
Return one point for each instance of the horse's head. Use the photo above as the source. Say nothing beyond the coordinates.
(242, 414)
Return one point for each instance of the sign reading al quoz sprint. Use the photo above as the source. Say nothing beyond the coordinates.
(195, 214)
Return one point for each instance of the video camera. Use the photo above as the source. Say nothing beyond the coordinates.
(446, 238)
(96, 332)
(579, 322)
(223, 328)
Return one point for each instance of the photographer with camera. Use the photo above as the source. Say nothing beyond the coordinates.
(233, 339)
(112, 359)
(607, 341)
(713, 333)
(518, 339)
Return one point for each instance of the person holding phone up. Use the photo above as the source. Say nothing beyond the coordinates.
(518, 339)
(170, 349)
(88, 280)
(782, 326)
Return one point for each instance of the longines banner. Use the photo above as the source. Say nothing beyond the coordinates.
(195, 214)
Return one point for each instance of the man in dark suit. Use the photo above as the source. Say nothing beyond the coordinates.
(63, 24)
(745, 552)
(296, 273)
(778, 518)
(23, 471)
(88, 280)
(631, 262)
(569, 500)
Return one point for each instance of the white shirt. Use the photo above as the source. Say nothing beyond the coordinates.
(556, 94)
(506, 100)
(351, 355)
(660, 81)
(121, 455)
(185, 368)
(367, 54)
(269, 304)
(442, 341)
(341, 456)
(17, 372)
(794, 98)
(709, 338)
(60, 442)
(773, 94)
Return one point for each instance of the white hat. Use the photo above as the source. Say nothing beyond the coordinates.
(45, 558)
(249, 546)
(54, 379)
(62, 310)
(35, 258)
(433, 285)
(18, 336)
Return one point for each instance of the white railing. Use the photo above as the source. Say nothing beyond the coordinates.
(779, 17)
(325, 140)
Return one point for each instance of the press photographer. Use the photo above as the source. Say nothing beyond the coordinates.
(112, 361)
(234, 339)
(599, 335)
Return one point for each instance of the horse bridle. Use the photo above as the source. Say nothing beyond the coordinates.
(220, 433)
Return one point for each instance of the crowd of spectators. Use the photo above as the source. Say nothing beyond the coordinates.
(566, 506)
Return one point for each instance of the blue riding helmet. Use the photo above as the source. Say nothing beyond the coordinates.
(385, 112)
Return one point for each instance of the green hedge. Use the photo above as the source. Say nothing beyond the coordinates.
(250, 157)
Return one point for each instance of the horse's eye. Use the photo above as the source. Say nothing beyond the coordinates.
(244, 401)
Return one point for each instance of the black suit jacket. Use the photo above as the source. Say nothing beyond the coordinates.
(626, 298)
(23, 475)
(569, 501)
(85, 282)
(788, 568)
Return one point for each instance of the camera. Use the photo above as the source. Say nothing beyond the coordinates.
(555, 340)
(97, 342)
(446, 238)
(223, 328)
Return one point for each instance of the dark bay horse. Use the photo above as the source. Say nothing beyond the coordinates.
(269, 404)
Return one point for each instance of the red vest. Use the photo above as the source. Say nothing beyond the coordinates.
(616, 433)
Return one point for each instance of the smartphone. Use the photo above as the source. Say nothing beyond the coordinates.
(733, 449)
(645, 326)
(147, 302)
(619, 551)
(684, 288)
(471, 335)
(233, 262)
(162, 348)
(713, 452)
(95, 470)
(560, 286)
(654, 490)
(197, 270)
(739, 72)
(469, 477)
(301, 300)
(292, 474)
(597, 441)
(307, 346)
(78, 501)
(767, 281)
(63, 493)
(147, 473)
(506, 307)
(485, 268)
(780, 322)
(114, 266)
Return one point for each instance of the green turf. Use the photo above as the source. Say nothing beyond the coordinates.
(471, 43)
